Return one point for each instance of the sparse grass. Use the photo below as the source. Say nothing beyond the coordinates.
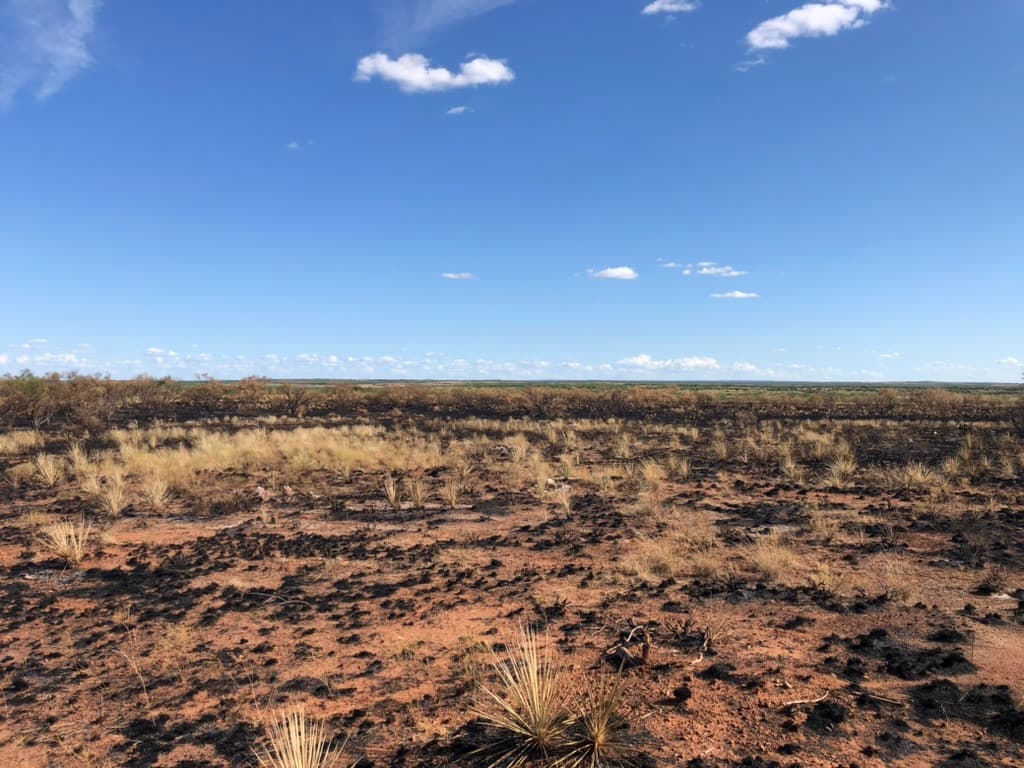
(67, 539)
(295, 740)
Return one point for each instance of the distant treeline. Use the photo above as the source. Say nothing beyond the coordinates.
(95, 403)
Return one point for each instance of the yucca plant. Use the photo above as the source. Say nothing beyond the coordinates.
(67, 539)
(393, 493)
(297, 741)
(527, 710)
(599, 734)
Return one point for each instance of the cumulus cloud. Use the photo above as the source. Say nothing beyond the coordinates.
(745, 367)
(460, 110)
(648, 363)
(735, 295)
(1013, 361)
(4, 359)
(412, 72)
(812, 20)
(669, 6)
(45, 44)
(458, 275)
(615, 273)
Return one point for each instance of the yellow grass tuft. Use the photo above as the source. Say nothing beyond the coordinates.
(67, 539)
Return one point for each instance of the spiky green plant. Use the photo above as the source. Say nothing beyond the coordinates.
(600, 735)
(527, 709)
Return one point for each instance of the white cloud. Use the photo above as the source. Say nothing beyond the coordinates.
(888, 355)
(412, 72)
(616, 273)
(460, 110)
(4, 359)
(1013, 361)
(812, 20)
(647, 363)
(713, 270)
(745, 367)
(458, 275)
(44, 45)
(735, 295)
(670, 6)
(671, 265)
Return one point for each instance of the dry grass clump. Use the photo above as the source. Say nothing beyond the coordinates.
(156, 493)
(656, 559)
(678, 468)
(295, 740)
(451, 492)
(49, 469)
(417, 491)
(20, 475)
(773, 558)
(67, 539)
(17, 443)
(109, 492)
(916, 476)
(839, 472)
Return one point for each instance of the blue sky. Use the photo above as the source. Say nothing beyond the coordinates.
(760, 189)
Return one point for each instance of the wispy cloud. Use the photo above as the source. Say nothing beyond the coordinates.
(298, 146)
(44, 45)
(735, 295)
(411, 21)
(615, 273)
(1011, 361)
(711, 269)
(888, 355)
(460, 110)
(812, 20)
(648, 363)
(669, 6)
(412, 72)
(458, 275)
